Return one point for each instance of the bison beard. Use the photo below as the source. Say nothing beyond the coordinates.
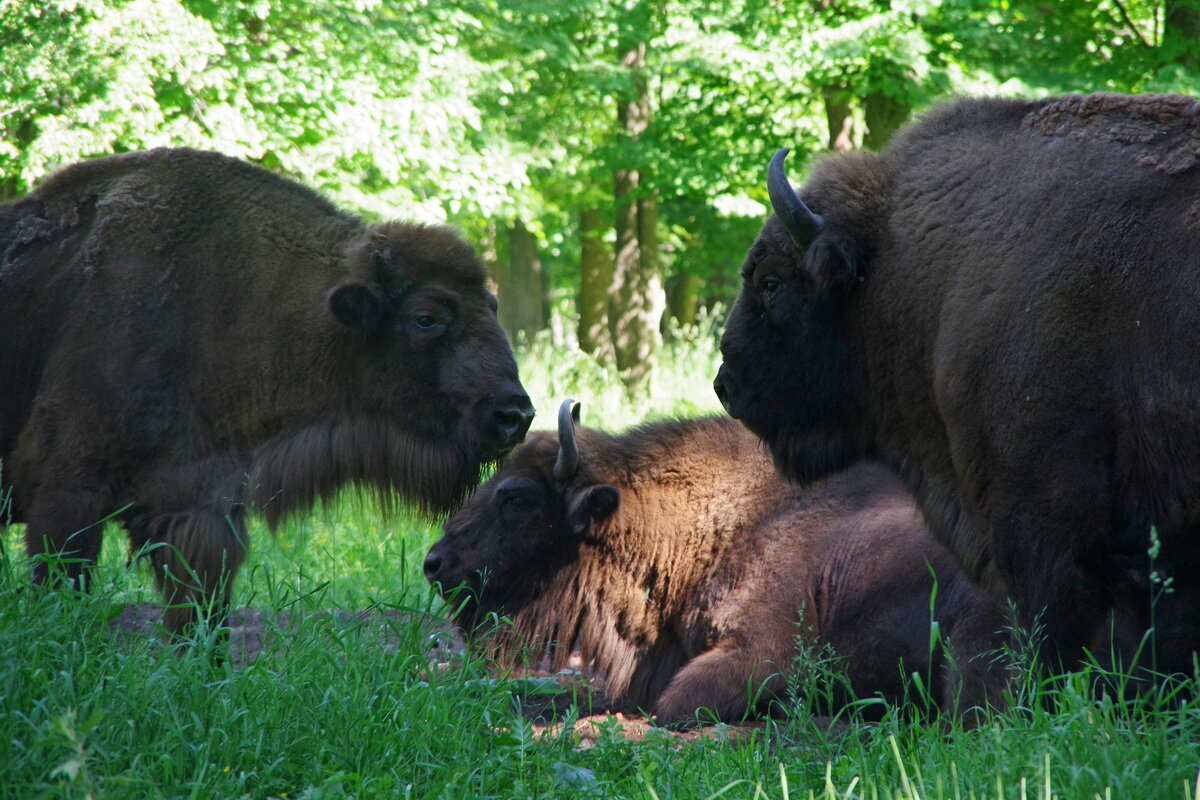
(186, 335)
(1001, 305)
(683, 569)
(292, 473)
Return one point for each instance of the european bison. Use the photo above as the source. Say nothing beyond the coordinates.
(182, 334)
(683, 568)
(1004, 305)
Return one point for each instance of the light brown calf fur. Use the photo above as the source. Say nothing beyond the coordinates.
(683, 569)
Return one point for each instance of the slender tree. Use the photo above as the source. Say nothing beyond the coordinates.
(595, 283)
(637, 283)
(521, 284)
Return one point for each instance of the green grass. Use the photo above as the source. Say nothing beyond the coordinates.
(681, 384)
(332, 711)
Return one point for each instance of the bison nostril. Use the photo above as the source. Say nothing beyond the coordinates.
(513, 419)
(723, 392)
(508, 419)
(433, 565)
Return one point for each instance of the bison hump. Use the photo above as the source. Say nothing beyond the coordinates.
(1159, 131)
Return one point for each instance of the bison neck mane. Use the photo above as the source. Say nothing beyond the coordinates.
(689, 493)
(296, 470)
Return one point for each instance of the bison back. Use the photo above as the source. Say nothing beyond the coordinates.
(147, 269)
(1043, 260)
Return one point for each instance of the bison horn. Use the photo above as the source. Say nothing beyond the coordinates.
(568, 452)
(799, 221)
(383, 263)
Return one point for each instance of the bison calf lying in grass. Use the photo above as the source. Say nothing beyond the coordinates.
(182, 334)
(683, 569)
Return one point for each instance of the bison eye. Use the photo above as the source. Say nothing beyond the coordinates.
(771, 284)
(517, 497)
(428, 325)
(515, 506)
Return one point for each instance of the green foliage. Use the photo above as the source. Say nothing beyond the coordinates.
(1080, 46)
(71, 90)
(553, 370)
(371, 103)
(482, 112)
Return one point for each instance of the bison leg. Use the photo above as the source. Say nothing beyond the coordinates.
(1169, 603)
(727, 682)
(975, 674)
(1050, 541)
(195, 556)
(63, 536)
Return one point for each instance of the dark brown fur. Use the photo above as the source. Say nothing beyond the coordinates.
(684, 569)
(183, 334)
(1003, 305)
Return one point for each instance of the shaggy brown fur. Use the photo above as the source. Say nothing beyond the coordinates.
(684, 569)
(1002, 305)
(183, 333)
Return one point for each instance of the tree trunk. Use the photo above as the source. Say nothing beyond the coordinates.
(488, 247)
(595, 285)
(884, 115)
(839, 118)
(683, 298)
(520, 285)
(624, 321)
(637, 284)
(646, 297)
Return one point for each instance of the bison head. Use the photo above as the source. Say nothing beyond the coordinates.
(787, 368)
(417, 307)
(414, 386)
(522, 526)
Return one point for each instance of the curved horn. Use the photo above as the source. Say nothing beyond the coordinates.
(568, 451)
(800, 222)
(382, 261)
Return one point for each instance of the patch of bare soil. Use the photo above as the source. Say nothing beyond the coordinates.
(588, 731)
(544, 698)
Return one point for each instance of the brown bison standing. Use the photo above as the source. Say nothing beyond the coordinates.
(684, 569)
(182, 333)
(1005, 306)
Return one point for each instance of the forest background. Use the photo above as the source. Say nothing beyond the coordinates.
(605, 156)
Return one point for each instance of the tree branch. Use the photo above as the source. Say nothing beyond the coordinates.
(1129, 22)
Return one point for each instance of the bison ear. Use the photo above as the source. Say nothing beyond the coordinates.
(832, 264)
(594, 504)
(356, 306)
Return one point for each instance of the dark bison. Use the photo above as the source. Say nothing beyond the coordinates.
(182, 334)
(683, 568)
(1004, 305)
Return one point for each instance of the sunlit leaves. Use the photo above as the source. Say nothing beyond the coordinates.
(489, 110)
(376, 103)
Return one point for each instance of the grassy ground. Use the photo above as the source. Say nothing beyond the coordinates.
(339, 710)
